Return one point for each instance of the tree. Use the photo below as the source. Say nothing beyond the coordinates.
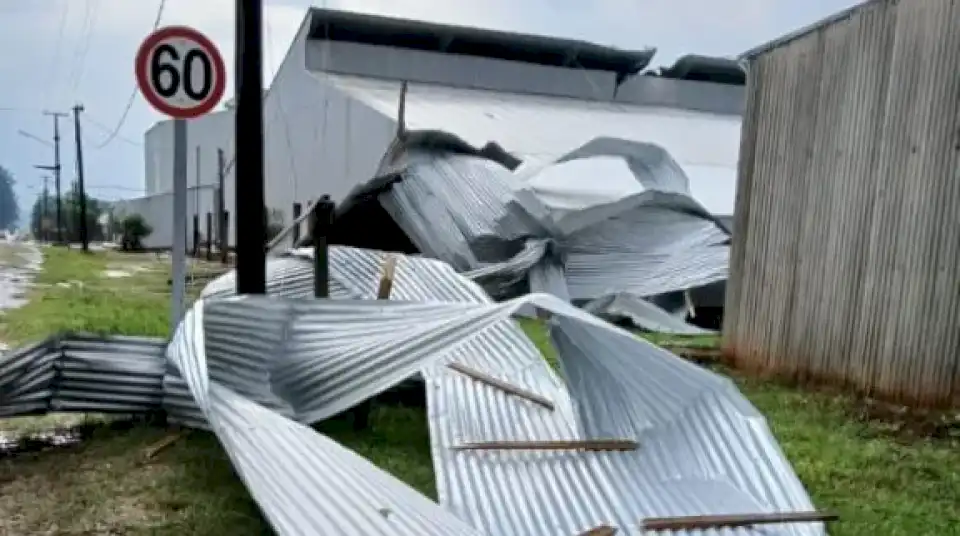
(43, 217)
(134, 229)
(9, 209)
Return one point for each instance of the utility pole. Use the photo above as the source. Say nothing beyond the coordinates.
(250, 209)
(56, 170)
(44, 210)
(84, 238)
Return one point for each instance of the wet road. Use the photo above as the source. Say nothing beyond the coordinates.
(19, 263)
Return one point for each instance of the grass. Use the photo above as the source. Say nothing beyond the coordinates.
(881, 482)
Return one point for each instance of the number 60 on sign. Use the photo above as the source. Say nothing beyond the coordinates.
(180, 72)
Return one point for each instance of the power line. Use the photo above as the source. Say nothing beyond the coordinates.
(133, 94)
(55, 65)
(104, 128)
(90, 23)
(113, 187)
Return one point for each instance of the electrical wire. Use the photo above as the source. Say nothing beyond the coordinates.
(90, 22)
(58, 48)
(133, 94)
(105, 129)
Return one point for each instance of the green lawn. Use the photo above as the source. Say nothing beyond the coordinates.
(881, 482)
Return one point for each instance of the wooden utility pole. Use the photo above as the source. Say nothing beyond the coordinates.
(250, 209)
(56, 170)
(44, 210)
(81, 191)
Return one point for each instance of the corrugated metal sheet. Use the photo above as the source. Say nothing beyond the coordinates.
(697, 432)
(83, 373)
(648, 238)
(254, 366)
(846, 248)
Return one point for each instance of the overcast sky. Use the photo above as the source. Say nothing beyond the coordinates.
(59, 52)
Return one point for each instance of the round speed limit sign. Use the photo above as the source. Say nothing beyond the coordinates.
(180, 72)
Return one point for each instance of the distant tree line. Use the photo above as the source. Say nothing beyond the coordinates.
(9, 209)
(43, 217)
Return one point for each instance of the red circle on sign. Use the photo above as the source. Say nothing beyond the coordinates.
(143, 75)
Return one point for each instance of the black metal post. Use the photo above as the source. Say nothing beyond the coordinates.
(320, 221)
(225, 244)
(209, 235)
(196, 234)
(251, 228)
(221, 208)
(295, 233)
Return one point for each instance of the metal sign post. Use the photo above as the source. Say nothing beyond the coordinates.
(181, 74)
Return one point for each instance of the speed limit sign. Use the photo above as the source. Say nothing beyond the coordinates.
(180, 72)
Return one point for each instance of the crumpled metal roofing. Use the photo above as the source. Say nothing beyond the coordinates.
(704, 449)
(538, 229)
(82, 373)
(255, 366)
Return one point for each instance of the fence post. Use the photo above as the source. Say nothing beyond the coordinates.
(225, 237)
(295, 234)
(209, 235)
(196, 234)
(321, 220)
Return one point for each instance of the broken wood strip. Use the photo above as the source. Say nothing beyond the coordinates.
(165, 443)
(506, 387)
(602, 530)
(386, 277)
(597, 445)
(735, 520)
(688, 302)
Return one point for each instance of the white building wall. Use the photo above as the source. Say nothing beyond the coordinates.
(317, 140)
(157, 210)
(207, 133)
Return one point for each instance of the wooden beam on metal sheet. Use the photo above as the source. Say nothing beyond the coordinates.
(506, 387)
(735, 520)
(602, 530)
(594, 445)
(386, 277)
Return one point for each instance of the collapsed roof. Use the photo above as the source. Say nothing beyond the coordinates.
(612, 217)
(255, 370)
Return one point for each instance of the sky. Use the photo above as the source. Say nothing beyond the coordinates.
(58, 53)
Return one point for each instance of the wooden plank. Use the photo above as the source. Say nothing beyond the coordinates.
(597, 445)
(602, 530)
(153, 450)
(734, 520)
(506, 387)
(386, 277)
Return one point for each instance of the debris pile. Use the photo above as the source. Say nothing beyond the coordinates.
(632, 439)
(613, 218)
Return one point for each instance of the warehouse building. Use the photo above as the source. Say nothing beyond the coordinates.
(845, 259)
(332, 110)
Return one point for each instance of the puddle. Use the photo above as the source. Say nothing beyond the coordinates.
(13, 443)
